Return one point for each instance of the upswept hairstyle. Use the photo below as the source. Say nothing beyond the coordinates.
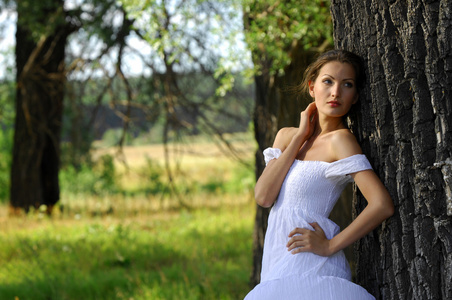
(342, 56)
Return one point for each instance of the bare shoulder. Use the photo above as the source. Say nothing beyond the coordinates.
(283, 137)
(344, 144)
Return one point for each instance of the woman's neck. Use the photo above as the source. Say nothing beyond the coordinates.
(326, 125)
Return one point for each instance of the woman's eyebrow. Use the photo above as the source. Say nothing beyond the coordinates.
(335, 78)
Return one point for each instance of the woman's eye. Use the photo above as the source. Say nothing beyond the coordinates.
(327, 81)
(349, 84)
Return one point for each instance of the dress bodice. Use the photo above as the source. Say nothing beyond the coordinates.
(308, 194)
(313, 187)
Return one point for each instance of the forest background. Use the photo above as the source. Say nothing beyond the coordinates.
(148, 109)
(161, 207)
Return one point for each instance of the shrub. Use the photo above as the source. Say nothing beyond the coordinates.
(96, 179)
(6, 146)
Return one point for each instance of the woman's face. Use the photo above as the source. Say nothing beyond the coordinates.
(334, 90)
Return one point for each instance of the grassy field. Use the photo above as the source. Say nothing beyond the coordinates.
(138, 245)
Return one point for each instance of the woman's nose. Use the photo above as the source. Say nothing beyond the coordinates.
(336, 91)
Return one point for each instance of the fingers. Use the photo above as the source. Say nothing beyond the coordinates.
(316, 226)
(300, 246)
(311, 115)
(298, 238)
(310, 111)
(300, 242)
(311, 106)
(308, 120)
(297, 231)
(305, 240)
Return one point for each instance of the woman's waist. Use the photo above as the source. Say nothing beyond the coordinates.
(304, 209)
(287, 220)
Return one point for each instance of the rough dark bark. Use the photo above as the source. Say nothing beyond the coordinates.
(39, 103)
(403, 124)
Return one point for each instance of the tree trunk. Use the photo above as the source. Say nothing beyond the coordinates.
(403, 124)
(277, 104)
(39, 103)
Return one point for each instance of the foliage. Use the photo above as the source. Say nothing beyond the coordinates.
(275, 28)
(242, 181)
(6, 142)
(102, 176)
(40, 17)
(90, 114)
(97, 178)
(112, 136)
(154, 174)
(7, 90)
(203, 254)
(187, 40)
(191, 35)
(6, 136)
(7, 70)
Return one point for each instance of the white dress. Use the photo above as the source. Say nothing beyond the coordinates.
(307, 195)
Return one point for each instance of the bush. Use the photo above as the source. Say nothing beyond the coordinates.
(153, 171)
(243, 180)
(96, 179)
(7, 114)
(6, 146)
(112, 136)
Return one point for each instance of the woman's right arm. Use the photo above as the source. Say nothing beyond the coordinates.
(289, 141)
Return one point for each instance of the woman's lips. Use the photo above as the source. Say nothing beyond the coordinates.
(333, 103)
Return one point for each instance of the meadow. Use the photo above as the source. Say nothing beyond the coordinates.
(134, 233)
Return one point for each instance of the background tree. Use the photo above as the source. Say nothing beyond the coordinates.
(182, 83)
(40, 53)
(283, 36)
(43, 29)
(95, 54)
(190, 42)
(404, 127)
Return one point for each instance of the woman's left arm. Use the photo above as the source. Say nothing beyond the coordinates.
(379, 208)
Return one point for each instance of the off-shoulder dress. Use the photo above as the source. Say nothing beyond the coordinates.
(308, 194)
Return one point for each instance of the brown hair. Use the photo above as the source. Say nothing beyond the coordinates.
(343, 56)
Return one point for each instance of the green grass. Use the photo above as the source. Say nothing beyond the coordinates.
(198, 254)
(118, 233)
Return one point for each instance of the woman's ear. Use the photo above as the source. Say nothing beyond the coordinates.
(311, 88)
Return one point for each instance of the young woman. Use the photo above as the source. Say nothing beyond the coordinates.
(307, 169)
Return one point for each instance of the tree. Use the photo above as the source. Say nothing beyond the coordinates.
(40, 52)
(43, 28)
(403, 125)
(283, 36)
(191, 40)
(96, 73)
(185, 38)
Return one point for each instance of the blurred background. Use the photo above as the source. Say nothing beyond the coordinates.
(131, 137)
